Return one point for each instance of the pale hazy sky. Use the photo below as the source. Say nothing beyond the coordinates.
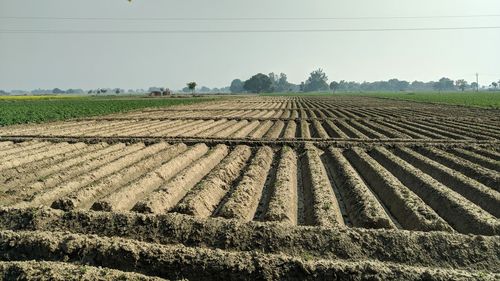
(30, 61)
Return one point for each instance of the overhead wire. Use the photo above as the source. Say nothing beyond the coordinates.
(182, 31)
(243, 18)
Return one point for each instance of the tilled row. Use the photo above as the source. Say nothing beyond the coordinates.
(419, 188)
(313, 113)
(269, 129)
(64, 271)
(177, 261)
(343, 105)
(399, 246)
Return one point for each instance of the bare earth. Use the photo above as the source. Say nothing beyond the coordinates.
(255, 188)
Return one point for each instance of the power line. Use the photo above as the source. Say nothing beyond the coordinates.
(244, 18)
(63, 31)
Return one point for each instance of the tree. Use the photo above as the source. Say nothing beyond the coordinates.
(282, 84)
(205, 89)
(274, 82)
(494, 84)
(302, 86)
(316, 81)
(191, 86)
(421, 86)
(236, 86)
(258, 83)
(474, 86)
(334, 86)
(57, 91)
(461, 84)
(279, 82)
(444, 84)
(342, 85)
(402, 85)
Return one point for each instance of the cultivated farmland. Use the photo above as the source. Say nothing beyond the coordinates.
(263, 188)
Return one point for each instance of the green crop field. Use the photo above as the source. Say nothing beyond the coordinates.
(473, 99)
(36, 109)
(481, 99)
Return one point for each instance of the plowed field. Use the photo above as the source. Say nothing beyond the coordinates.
(263, 188)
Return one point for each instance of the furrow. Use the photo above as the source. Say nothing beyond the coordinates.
(305, 132)
(116, 128)
(85, 196)
(82, 129)
(490, 153)
(59, 173)
(201, 128)
(243, 132)
(426, 128)
(161, 126)
(334, 130)
(459, 212)
(460, 128)
(126, 197)
(324, 204)
(178, 261)
(409, 210)
(181, 129)
(261, 130)
(217, 128)
(28, 172)
(47, 196)
(481, 195)
(231, 129)
(243, 202)
(472, 170)
(362, 206)
(63, 271)
(319, 130)
(435, 129)
(415, 129)
(282, 205)
(275, 131)
(384, 130)
(203, 199)
(52, 150)
(405, 131)
(290, 130)
(31, 152)
(157, 127)
(5, 145)
(350, 130)
(494, 165)
(140, 126)
(483, 127)
(440, 249)
(168, 195)
(24, 147)
(366, 130)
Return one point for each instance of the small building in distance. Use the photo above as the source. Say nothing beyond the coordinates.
(160, 93)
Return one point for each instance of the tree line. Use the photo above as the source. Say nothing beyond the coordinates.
(318, 82)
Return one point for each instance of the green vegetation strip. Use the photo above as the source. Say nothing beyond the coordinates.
(37, 110)
(472, 99)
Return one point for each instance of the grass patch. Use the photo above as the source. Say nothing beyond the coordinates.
(37, 109)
